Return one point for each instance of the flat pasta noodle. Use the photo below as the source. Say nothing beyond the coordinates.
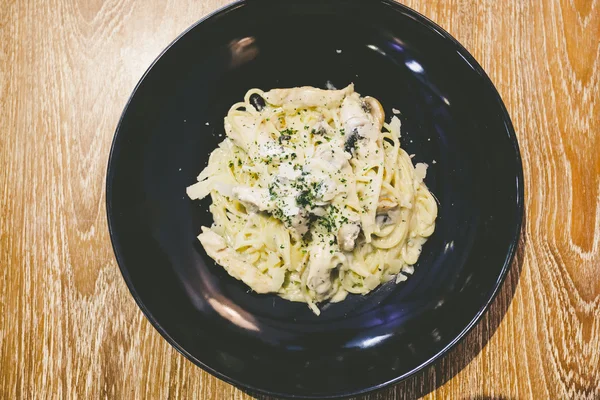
(313, 197)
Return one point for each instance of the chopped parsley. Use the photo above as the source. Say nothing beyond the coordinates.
(272, 190)
(305, 198)
(288, 132)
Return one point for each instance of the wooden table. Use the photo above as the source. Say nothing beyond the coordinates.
(70, 329)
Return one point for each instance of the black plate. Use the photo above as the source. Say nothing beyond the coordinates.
(452, 118)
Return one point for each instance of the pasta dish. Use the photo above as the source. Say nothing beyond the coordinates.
(313, 197)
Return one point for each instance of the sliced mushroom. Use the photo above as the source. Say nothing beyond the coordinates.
(258, 102)
(375, 109)
(350, 144)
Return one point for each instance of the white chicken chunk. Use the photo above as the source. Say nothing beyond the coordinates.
(353, 115)
(347, 235)
(323, 260)
(254, 199)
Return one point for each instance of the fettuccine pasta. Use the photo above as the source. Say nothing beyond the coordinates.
(313, 197)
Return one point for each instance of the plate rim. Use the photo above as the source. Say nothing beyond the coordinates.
(510, 256)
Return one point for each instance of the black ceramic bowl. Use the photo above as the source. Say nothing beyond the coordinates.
(452, 118)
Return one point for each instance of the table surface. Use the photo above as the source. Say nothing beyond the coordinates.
(69, 327)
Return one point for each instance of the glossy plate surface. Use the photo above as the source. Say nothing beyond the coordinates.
(452, 118)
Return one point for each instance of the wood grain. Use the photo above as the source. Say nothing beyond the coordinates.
(69, 328)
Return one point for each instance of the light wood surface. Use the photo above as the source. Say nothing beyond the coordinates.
(70, 329)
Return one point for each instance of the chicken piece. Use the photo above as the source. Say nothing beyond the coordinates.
(321, 263)
(254, 199)
(366, 116)
(353, 115)
(347, 235)
(375, 108)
